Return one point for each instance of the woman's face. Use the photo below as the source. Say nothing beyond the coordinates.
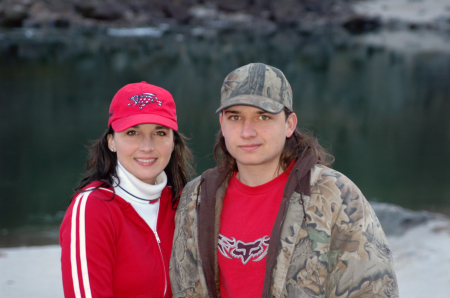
(143, 150)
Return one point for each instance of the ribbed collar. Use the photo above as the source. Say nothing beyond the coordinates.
(260, 189)
(133, 189)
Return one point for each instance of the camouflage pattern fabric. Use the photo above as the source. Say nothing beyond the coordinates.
(339, 251)
(257, 85)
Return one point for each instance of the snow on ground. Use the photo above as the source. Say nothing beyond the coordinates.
(422, 261)
(411, 11)
(31, 272)
(422, 264)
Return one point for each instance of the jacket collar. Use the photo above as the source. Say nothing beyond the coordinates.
(209, 216)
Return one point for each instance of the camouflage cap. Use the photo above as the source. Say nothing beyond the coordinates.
(258, 85)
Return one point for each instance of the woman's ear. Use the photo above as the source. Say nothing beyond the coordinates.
(111, 143)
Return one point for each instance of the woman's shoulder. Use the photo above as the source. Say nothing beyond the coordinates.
(94, 196)
(98, 190)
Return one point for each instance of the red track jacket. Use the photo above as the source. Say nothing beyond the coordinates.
(108, 250)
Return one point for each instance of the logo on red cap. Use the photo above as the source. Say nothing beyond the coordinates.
(144, 99)
(127, 107)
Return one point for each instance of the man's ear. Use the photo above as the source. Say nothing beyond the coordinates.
(220, 120)
(291, 124)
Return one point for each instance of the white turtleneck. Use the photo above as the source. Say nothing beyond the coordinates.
(139, 194)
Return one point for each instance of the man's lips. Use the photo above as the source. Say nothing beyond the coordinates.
(146, 161)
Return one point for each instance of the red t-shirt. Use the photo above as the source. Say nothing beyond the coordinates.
(247, 220)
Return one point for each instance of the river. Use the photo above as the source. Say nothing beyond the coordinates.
(382, 111)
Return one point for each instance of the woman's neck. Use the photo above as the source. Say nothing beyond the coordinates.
(134, 189)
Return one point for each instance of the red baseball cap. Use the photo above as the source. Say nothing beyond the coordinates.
(140, 103)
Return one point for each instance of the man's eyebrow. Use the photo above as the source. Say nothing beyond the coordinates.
(260, 112)
(230, 111)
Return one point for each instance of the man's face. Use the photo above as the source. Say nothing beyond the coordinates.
(255, 137)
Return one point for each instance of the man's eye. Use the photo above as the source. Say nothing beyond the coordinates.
(234, 118)
(264, 117)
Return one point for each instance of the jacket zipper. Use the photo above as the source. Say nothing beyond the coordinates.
(158, 240)
(162, 258)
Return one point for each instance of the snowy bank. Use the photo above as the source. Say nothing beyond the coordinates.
(409, 11)
(31, 272)
(422, 261)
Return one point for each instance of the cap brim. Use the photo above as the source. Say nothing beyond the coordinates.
(256, 101)
(133, 120)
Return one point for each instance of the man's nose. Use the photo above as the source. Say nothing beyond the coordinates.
(248, 131)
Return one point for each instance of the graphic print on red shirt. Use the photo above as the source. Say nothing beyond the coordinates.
(245, 251)
(247, 220)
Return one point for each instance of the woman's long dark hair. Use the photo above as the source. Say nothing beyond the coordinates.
(101, 165)
(295, 147)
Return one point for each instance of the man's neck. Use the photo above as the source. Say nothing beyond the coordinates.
(258, 174)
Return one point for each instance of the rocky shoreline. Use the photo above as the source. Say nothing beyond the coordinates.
(260, 15)
(303, 15)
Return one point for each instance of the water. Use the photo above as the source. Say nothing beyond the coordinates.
(384, 113)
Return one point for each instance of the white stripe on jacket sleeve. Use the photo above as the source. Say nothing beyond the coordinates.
(83, 259)
(73, 248)
(80, 200)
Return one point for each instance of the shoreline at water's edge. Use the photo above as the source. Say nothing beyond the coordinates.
(395, 220)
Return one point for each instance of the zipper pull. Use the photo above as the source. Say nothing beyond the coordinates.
(157, 237)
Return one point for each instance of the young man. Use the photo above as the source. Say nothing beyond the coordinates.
(272, 219)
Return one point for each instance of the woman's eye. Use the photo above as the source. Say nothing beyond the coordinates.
(161, 133)
(131, 132)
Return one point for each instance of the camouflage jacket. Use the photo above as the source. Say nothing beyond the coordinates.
(326, 241)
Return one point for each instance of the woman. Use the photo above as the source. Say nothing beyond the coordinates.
(116, 236)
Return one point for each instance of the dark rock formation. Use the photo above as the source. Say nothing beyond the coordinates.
(100, 10)
(143, 13)
(13, 15)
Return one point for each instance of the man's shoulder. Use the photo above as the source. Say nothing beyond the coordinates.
(192, 184)
(321, 173)
(209, 173)
(191, 191)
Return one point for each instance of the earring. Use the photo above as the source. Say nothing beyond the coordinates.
(112, 150)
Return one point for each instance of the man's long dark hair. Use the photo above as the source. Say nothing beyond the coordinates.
(295, 148)
(101, 165)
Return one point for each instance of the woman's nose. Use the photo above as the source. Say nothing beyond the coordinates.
(147, 144)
